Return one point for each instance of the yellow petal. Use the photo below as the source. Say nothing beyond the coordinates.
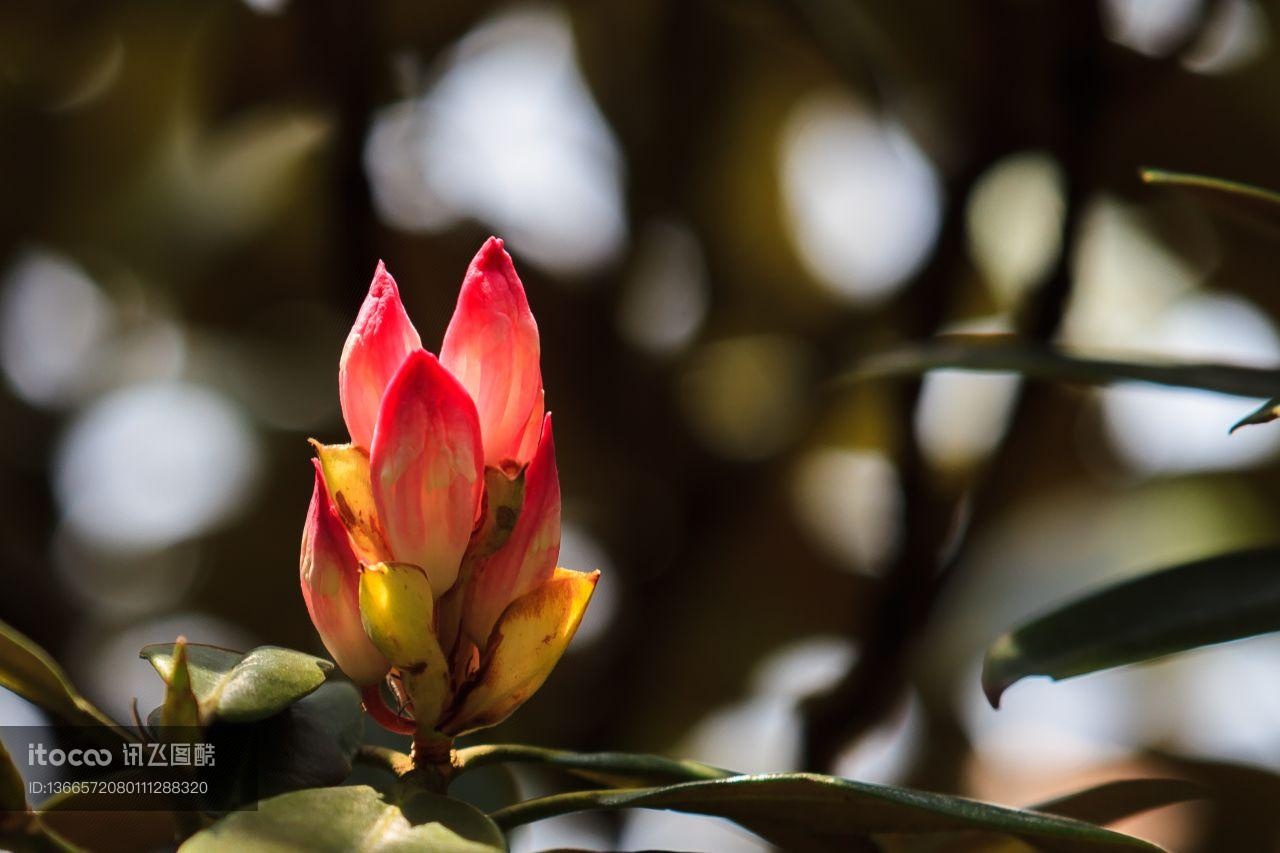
(396, 608)
(346, 477)
(525, 646)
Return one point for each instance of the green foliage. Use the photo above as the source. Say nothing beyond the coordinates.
(351, 820)
(181, 707)
(1113, 801)
(27, 670)
(243, 688)
(1197, 604)
(805, 811)
(1005, 353)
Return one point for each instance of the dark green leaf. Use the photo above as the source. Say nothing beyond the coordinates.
(312, 742)
(1253, 203)
(1197, 604)
(13, 791)
(242, 688)
(27, 670)
(1264, 414)
(351, 820)
(618, 769)
(808, 812)
(1005, 353)
(1124, 798)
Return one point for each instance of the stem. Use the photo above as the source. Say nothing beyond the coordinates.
(592, 764)
(393, 761)
(519, 814)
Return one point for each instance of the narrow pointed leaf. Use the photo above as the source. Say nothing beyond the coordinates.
(617, 769)
(352, 819)
(240, 688)
(1258, 205)
(1264, 414)
(805, 811)
(1006, 354)
(27, 670)
(181, 708)
(1113, 801)
(1209, 601)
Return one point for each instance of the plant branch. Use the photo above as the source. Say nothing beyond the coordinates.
(595, 765)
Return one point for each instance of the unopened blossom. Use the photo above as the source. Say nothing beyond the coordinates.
(429, 553)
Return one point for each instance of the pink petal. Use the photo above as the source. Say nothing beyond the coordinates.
(491, 345)
(379, 341)
(330, 576)
(426, 467)
(528, 558)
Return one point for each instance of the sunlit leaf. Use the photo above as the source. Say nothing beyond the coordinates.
(1209, 601)
(241, 688)
(180, 708)
(1254, 203)
(1006, 354)
(351, 820)
(804, 811)
(27, 670)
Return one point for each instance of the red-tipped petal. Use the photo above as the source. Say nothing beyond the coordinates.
(379, 342)
(491, 345)
(330, 576)
(528, 558)
(427, 466)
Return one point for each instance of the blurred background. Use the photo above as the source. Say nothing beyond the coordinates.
(717, 208)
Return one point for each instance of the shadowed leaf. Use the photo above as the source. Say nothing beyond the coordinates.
(1113, 801)
(1209, 601)
(1005, 353)
(804, 811)
(1264, 414)
(27, 670)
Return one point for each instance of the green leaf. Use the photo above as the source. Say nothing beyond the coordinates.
(1264, 414)
(1113, 801)
(351, 820)
(1006, 354)
(27, 670)
(243, 688)
(13, 791)
(618, 769)
(805, 811)
(1209, 601)
(312, 742)
(1258, 205)
(180, 708)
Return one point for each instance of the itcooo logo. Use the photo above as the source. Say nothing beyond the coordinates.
(39, 756)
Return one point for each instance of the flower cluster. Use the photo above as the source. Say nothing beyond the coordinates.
(429, 553)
